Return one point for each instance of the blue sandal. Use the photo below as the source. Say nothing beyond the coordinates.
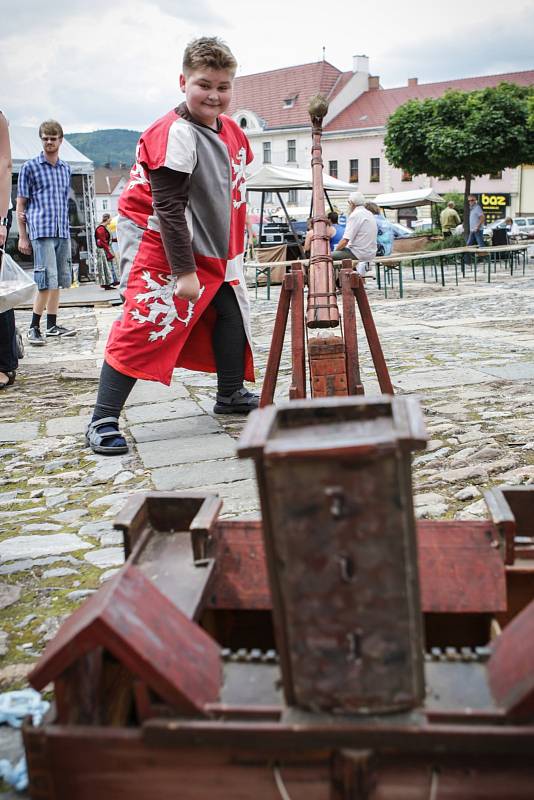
(105, 430)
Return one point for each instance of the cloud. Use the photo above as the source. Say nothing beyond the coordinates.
(117, 64)
(120, 70)
(486, 46)
(23, 18)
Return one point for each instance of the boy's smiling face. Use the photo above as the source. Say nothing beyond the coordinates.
(208, 93)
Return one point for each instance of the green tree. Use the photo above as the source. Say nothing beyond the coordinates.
(463, 134)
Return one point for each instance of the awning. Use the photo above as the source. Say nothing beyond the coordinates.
(25, 144)
(414, 197)
(281, 179)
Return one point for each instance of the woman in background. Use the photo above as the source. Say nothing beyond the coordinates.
(105, 257)
(384, 233)
(8, 342)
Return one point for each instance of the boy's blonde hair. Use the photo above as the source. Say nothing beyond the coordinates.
(50, 127)
(208, 51)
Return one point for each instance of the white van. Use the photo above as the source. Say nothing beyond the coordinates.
(525, 225)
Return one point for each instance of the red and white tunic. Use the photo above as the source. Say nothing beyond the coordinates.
(157, 331)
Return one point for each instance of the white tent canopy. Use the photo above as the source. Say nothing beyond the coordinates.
(414, 197)
(271, 178)
(25, 144)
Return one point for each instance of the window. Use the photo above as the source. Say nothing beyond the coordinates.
(406, 175)
(353, 170)
(375, 170)
(289, 102)
(268, 197)
(266, 152)
(293, 197)
(243, 122)
(104, 205)
(291, 149)
(332, 168)
(495, 176)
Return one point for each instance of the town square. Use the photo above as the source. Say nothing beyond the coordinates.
(266, 431)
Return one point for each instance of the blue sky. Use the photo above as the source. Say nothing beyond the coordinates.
(108, 65)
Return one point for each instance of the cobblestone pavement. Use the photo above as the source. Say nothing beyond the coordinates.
(467, 352)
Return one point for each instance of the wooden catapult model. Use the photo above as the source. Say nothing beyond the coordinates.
(285, 656)
(334, 365)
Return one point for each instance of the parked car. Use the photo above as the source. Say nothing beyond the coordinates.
(423, 225)
(525, 225)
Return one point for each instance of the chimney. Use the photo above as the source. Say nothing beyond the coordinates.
(374, 82)
(360, 64)
(413, 81)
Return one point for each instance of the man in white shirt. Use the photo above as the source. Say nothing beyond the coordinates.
(359, 239)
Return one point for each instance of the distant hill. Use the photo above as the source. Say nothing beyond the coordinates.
(113, 147)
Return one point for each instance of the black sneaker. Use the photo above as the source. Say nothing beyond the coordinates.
(59, 330)
(240, 402)
(36, 337)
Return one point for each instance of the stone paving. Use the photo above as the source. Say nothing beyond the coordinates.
(466, 352)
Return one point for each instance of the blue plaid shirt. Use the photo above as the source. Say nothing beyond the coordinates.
(46, 188)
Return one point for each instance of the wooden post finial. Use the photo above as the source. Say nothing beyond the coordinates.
(318, 108)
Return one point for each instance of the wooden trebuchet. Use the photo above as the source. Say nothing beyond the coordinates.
(322, 310)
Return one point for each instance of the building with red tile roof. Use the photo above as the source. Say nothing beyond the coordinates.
(373, 108)
(109, 184)
(272, 108)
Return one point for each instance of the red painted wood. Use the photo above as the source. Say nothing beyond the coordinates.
(277, 343)
(451, 553)
(460, 569)
(107, 764)
(322, 311)
(354, 381)
(511, 667)
(146, 633)
(240, 577)
(67, 763)
(328, 371)
(298, 348)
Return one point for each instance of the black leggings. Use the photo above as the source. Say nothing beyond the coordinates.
(8, 344)
(229, 341)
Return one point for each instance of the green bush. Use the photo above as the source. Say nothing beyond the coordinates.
(456, 240)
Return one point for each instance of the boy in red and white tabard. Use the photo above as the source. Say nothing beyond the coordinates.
(181, 240)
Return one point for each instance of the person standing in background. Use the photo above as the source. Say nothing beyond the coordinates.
(449, 219)
(105, 257)
(476, 222)
(43, 219)
(8, 342)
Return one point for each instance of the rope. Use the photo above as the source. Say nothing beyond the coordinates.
(280, 785)
(434, 785)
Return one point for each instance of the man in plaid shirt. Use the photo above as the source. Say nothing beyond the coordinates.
(43, 219)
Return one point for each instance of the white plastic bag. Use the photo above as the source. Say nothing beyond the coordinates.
(16, 287)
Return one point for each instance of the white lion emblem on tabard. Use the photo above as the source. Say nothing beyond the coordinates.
(159, 299)
(238, 168)
(137, 173)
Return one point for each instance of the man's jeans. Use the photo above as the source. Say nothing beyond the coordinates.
(476, 237)
(52, 266)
